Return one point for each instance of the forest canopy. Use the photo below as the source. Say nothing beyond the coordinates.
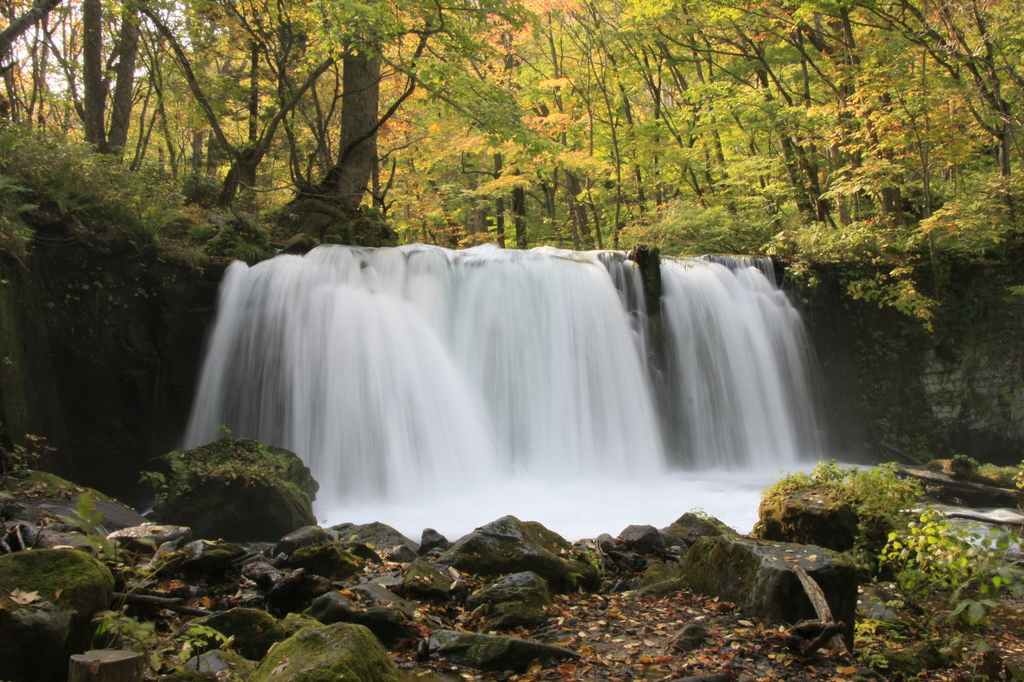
(882, 134)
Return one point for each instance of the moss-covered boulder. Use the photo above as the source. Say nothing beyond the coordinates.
(509, 545)
(237, 489)
(517, 599)
(47, 600)
(758, 576)
(225, 666)
(492, 652)
(211, 561)
(424, 581)
(379, 536)
(809, 518)
(330, 652)
(254, 631)
(912, 660)
(327, 559)
(693, 525)
(659, 572)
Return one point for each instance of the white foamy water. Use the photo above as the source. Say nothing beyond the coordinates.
(431, 388)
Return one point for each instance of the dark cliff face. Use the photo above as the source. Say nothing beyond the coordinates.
(889, 383)
(104, 345)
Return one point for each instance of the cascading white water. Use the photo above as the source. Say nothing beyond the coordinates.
(393, 372)
(737, 363)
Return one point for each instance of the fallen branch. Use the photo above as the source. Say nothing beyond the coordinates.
(821, 607)
(163, 602)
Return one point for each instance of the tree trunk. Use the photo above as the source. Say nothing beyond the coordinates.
(519, 211)
(23, 23)
(92, 72)
(348, 179)
(121, 107)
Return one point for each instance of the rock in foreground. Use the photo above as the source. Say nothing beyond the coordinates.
(333, 652)
(758, 576)
(239, 490)
(509, 545)
(47, 600)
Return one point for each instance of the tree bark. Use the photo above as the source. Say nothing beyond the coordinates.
(106, 666)
(92, 72)
(23, 23)
(124, 83)
(348, 179)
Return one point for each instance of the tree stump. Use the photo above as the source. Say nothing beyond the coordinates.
(106, 665)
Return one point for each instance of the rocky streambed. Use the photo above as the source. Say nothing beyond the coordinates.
(511, 600)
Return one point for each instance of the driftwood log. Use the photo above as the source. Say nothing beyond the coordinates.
(950, 490)
(106, 665)
(826, 630)
(171, 604)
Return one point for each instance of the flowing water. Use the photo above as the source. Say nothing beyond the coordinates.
(434, 388)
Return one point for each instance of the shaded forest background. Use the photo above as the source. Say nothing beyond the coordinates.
(881, 134)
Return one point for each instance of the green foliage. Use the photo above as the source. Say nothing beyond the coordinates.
(115, 629)
(933, 554)
(87, 520)
(877, 496)
(50, 187)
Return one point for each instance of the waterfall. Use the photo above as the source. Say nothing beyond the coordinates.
(392, 371)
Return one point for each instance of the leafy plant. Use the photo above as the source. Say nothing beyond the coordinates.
(877, 496)
(933, 554)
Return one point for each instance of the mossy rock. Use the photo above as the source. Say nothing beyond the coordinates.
(509, 545)
(912, 660)
(493, 652)
(294, 622)
(517, 599)
(215, 560)
(808, 517)
(238, 489)
(255, 631)
(693, 525)
(659, 572)
(424, 581)
(326, 654)
(216, 662)
(758, 576)
(327, 559)
(380, 536)
(65, 587)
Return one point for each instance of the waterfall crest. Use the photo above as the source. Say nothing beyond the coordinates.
(393, 370)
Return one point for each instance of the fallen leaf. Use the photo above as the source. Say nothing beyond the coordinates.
(567, 669)
(280, 667)
(56, 595)
(23, 598)
(746, 623)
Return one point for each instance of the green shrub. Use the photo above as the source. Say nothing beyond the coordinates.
(878, 498)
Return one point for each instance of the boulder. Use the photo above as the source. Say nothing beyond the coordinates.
(254, 631)
(303, 537)
(218, 661)
(424, 581)
(659, 572)
(810, 518)
(758, 576)
(47, 600)
(693, 525)
(330, 652)
(295, 590)
(147, 538)
(330, 608)
(492, 652)
(509, 545)
(327, 559)
(210, 561)
(431, 539)
(642, 539)
(389, 625)
(380, 536)
(238, 489)
(517, 599)
(379, 594)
